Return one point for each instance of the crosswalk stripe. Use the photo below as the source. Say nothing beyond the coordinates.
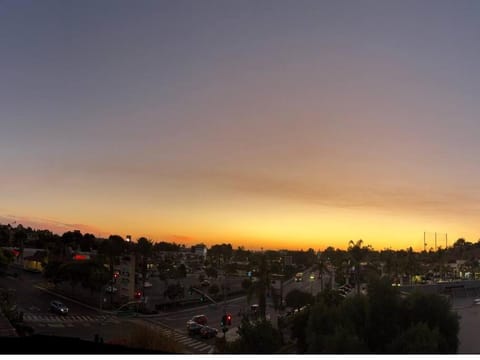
(70, 318)
(179, 337)
(204, 348)
(198, 346)
(191, 341)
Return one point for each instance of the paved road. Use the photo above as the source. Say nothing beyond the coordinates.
(32, 300)
(469, 325)
(83, 321)
(155, 294)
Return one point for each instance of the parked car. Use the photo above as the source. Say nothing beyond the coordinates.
(193, 328)
(58, 307)
(147, 284)
(205, 283)
(208, 332)
(200, 319)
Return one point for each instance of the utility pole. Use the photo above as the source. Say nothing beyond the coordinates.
(435, 241)
(446, 241)
(424, 242)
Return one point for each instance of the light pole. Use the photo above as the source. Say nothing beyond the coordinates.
(102, 295)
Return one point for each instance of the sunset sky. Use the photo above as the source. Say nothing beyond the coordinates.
(265, 123)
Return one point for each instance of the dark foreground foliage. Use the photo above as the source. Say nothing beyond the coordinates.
(381, 322)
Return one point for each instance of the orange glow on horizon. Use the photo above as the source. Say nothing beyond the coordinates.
(299, 228)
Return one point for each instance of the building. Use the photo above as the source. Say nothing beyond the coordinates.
(200, 250)
(30, 259)
(288, 259)
(126, 278)
(35, 262)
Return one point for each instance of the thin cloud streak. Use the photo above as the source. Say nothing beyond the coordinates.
(55, 226)
(395, 198)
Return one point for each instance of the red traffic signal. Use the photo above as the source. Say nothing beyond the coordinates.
(138, 294)
(229, 319)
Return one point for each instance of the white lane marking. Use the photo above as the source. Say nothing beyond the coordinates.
(206, 347)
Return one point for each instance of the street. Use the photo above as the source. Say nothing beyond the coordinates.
(33, 296)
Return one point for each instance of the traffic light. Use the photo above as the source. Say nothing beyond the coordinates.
(202, 298)
(138, 294)
(190, 290)
(226, 320)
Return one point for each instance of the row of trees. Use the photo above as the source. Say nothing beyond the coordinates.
(382, 322)
(58, 245)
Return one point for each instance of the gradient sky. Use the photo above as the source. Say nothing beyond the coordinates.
(274, 124)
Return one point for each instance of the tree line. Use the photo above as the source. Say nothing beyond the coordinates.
(381, 322)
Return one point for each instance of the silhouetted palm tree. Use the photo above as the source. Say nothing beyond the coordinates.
(357, 254)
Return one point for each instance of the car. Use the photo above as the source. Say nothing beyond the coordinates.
(200, 319)
(193, 328)
(208, 332)
(205, 283)
(58, 307)
(147, 284)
